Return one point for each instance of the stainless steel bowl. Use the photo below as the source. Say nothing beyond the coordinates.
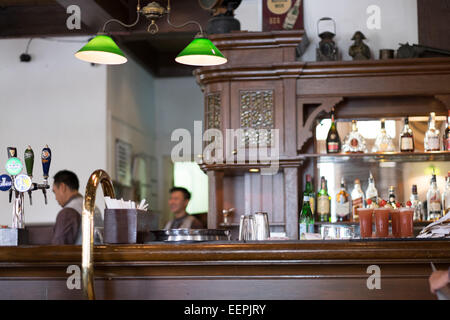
(337, 231)
(175, 235)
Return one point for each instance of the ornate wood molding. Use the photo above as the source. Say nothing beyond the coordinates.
(445, 99)
(256, 40)
(305, 126)
(300, 251)
(370, 68)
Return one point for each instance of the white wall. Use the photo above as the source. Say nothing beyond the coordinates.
(131, 109)
(249, 14)
(399, 22)
(179, 102)
(57, 100)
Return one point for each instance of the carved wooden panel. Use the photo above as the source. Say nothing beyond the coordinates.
(256, 112)
(212, 112)
(305, 125)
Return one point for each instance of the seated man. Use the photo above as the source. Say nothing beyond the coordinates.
(178, 201)
(67, 228)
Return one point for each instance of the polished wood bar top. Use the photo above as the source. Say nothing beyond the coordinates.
(228, 270)
(270, 251)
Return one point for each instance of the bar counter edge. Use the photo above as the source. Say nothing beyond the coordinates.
(229, 270)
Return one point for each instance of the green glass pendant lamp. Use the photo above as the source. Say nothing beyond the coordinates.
(103, 50)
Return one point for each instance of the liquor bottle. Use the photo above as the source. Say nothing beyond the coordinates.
(446, 196)
(372, 192)
(354, 142)
(433, 200)
(446, 136)
(323, 202)
(416, 204)
(292, 16)
(406, 138)
(431, 141)
(343, 208)
(392, 200)
(357, 199)
(309, 191)
(306, 219)
(383, 143)
(333, 141)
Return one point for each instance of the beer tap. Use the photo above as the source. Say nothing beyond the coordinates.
(29, 163)
(46, 157)
(12, 153)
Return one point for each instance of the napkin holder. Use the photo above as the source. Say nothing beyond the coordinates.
(126, 226)
(13, 237)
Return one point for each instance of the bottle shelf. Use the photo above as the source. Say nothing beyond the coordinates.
(381, 157)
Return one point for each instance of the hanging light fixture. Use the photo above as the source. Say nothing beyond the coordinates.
(103, 50)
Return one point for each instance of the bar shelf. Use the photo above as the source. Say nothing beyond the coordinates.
(380, 157)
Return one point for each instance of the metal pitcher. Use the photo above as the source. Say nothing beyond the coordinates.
(262, 229)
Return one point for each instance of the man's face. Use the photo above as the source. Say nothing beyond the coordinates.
(177, 202)
(60, 193)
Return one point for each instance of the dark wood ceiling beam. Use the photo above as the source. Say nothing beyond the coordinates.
(35, 21)
(94, 13)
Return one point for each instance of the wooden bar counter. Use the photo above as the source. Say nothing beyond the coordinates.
(228, 270)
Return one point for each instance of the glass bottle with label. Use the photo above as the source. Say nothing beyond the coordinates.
(354, 142)
(306, 219)
(446, 136)
(309, 191)
(433, 200)
(392, 200)
(323, 202)
(333, 141)
(431, 141)
(416, 204)
(406, 138)
(343, 208)
(446, 196)
(292, 16)
(372, 192)
(357, 199)
(383, 142)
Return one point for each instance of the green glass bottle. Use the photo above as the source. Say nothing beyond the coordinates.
(333, 141)
(306, 220)
(323, 202)
(309, 191)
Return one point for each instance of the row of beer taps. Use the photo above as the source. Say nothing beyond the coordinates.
(22, 183)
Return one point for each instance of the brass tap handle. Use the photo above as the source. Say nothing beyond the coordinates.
(87, 227)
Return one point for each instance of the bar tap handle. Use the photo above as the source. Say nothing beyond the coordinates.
(29, 163)
(12, 152)
(46, 158)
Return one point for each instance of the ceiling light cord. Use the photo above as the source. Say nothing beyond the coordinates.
(28, 45)
(138, 10)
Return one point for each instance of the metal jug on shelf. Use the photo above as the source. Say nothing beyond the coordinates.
(262, 228)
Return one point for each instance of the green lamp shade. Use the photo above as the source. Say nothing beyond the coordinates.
(102, 50)
(201, 52)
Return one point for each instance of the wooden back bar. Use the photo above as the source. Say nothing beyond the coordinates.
(301, 92)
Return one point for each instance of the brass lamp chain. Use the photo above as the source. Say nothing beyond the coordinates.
(138, 11)
(184, 24)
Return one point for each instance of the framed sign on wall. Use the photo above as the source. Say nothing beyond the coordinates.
(282, 15)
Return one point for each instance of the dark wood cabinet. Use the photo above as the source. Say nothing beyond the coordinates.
(262, 77)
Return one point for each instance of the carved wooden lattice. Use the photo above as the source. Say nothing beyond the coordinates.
(213, 111)
(256, 112)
